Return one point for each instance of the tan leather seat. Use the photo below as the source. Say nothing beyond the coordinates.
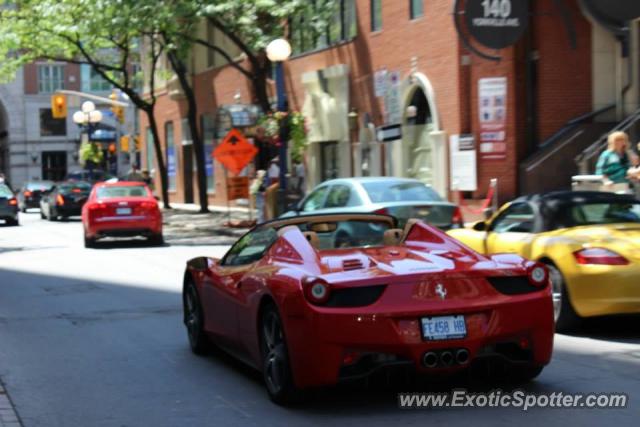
(312, 238)
(393, 237)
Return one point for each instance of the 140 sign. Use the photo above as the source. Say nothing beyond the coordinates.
(497, 8)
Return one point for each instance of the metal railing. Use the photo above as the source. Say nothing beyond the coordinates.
(587, 159)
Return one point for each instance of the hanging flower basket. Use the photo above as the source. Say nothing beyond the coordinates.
(90, 152)
(272, 122)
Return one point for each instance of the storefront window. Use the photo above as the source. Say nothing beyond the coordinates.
(207, 124)
(171, 155)
(329, 160)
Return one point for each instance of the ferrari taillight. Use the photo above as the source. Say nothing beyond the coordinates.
(538, 274)
(317, 291)
(599, 256)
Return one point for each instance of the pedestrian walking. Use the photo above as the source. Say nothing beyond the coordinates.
(134, 174)
(257, 190)
(614, 163)
(146, 178)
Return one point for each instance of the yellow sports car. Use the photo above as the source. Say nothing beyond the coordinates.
(589, 240)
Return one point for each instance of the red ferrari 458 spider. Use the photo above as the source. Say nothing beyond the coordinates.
(121, 209)
(308, 307)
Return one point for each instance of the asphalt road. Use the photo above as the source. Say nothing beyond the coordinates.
(94, 338)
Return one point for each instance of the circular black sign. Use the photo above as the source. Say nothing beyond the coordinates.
(497, 24)
(618, 10)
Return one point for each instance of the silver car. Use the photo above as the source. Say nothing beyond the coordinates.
(8, 206)
(402, 198)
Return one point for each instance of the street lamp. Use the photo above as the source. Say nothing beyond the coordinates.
(278, 51)
(86, 118)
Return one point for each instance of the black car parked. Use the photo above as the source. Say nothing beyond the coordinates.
(30, 194)
(8, 205)
(64, 200)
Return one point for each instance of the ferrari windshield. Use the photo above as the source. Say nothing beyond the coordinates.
(605, 213)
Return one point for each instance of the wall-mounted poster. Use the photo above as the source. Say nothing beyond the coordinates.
(492, 98)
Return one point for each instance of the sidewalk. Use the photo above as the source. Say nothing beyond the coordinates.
(184, 225)
(8, 415)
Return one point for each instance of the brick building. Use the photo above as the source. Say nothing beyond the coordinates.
(36, 146)
(567, 80)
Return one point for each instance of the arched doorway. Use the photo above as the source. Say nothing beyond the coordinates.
(422, 154)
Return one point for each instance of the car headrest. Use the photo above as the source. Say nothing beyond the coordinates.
(312, 238)
(393, 237)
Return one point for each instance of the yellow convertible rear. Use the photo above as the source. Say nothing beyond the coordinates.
(589, 240)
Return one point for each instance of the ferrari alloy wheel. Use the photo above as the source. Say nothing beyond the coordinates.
(563, 313)
(276, 368)
(194, 320)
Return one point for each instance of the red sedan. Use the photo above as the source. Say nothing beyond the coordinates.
(293, 301)
(121, 209)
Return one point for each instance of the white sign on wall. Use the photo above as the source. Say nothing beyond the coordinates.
(463, 163)
(380, 83)
(392, 102)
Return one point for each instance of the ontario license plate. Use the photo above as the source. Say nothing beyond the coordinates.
(123, 211)
(444, 328)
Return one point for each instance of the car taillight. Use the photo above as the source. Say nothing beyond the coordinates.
(76, 190)
(317, 291)
(96, 208)
(60, 200)
(13, 202)
(27, 193)
(538, 274)
(149, 205)
(599, 256)
(457, 218)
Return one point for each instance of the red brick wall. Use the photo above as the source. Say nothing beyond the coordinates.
(564, 76)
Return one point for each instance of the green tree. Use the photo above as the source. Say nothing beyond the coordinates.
(105, 34)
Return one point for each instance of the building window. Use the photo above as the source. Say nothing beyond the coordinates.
(342, 26)
(186, 132)
(376, 15)
(171, 155)
(50, 126)
(50, 78)
(416, 8)
(92, 81)
(207, 124)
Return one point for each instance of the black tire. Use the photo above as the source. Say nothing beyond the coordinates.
(12, 222)
(51, 215)
(276, 368)
(524, 374)
(89, 242)
(23, 210)
(194, 320)
(564, 314)
(156, 240)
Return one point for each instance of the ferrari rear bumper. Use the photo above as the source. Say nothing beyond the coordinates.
(330, 346)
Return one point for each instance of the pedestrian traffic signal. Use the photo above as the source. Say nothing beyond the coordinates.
(124, 143)
(59, 106)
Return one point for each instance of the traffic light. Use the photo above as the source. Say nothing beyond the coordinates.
(117, 110)
(124, 143)
(112, 148)
(59, 106)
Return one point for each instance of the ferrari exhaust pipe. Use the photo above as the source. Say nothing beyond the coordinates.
(430, 359)
(446, 358)
(462, 356)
